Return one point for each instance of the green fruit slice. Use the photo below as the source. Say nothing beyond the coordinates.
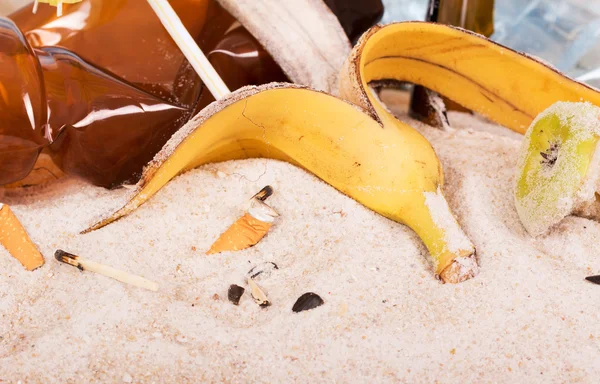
(557, 167)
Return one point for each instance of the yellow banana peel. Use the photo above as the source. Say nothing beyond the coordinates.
(358, 147)
(508, 87)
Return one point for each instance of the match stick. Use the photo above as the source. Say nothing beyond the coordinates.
(88, 265)
(189, 48)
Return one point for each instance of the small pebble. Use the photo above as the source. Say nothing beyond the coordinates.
(127, 378)
(157, 335)
(234, 293)
(220, 174)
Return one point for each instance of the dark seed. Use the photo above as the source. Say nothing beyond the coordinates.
(593, 279)
(263, 268)
(234, 293)
(307, 301)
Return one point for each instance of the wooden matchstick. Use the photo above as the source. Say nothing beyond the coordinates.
(88, 265)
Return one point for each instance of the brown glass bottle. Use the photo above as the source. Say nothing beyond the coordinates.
(118, 87)
(474, 15)
(356, 16)
(111, 117)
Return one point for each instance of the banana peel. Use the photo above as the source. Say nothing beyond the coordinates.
(355, 144)
(392, 170)
(507, 87)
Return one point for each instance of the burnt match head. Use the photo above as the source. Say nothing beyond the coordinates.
(264, 193)
(67, 258)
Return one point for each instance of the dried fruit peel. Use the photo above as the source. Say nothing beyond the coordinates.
(559, 165)
(244, 233)
(16, 241)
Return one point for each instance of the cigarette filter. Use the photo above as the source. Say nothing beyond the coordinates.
(248, 230)
(16, 241)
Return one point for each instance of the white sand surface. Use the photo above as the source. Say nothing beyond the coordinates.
(528, 317)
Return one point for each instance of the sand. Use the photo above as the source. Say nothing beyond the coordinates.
(529, 316)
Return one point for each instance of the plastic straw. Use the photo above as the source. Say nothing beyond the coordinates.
(190, 49)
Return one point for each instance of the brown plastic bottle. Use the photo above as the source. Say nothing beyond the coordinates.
(108, 86)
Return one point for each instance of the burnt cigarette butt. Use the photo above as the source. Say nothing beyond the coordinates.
(248, 230)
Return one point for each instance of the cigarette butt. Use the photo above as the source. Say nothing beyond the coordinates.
(249, 229)
(16, 241)
(92, 266)
(244, 233)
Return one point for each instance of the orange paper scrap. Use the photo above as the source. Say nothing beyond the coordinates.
(16, 241)
(244, 233)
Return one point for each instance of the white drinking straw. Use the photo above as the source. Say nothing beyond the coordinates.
(189, 48)
(184, 41)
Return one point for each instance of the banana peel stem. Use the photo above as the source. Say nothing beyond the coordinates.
(452, 252)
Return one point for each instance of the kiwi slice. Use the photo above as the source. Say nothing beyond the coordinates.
(558, 170)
